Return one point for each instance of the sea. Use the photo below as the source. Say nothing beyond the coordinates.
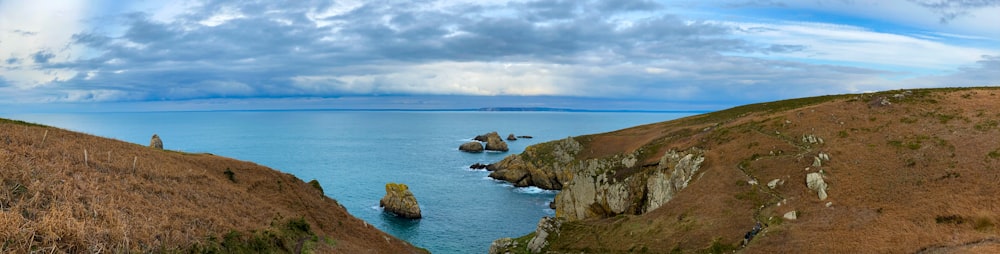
(354, 154)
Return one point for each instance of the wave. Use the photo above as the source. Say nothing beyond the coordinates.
(534, 190)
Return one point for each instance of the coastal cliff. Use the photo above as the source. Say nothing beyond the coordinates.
(859, 168)
(68, 192)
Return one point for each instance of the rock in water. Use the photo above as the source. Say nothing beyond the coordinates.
(155, 142)
(495, 143)
(400, 201)
(511, 137)
(473, 147)
(815, 182)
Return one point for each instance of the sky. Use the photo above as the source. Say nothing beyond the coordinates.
(108, 55)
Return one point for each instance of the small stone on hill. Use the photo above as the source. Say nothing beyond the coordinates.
(791, 215)
(472, 146)
(155, 142)
(400, 201)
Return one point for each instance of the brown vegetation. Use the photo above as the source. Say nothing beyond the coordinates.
(909, 171)
(62, 191)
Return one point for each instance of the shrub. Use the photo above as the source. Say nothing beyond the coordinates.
(230, 174)
(315, 184)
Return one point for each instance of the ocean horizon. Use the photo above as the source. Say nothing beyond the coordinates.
(354, 153)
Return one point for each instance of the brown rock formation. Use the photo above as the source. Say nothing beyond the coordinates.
(400, 201)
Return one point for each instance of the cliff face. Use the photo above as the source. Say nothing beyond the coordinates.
(861, 169)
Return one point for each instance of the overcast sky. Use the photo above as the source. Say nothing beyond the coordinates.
(627, 54)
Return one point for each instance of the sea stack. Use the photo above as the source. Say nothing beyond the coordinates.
(400, 201)
(495, 143)
(155, 142)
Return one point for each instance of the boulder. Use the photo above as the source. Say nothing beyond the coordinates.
(155, 142)
(472, 147)
(815, 182)
(511, 137)
(791, 215)
(400, 201)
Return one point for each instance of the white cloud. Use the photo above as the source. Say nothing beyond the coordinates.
(28, 27)
(856, 46)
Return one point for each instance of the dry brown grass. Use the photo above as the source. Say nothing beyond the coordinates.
(918, 175)
(131, 198)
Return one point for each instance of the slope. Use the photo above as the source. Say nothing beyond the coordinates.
(62, 191)
(905, 171)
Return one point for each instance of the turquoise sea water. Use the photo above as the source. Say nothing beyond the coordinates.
(354, 154)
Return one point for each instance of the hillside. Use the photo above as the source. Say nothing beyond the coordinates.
(63, 191)
(911, 171)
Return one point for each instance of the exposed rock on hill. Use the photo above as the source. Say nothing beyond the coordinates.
(399, 200)
(155, 142)
(690, 185)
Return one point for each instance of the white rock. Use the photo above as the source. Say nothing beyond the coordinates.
(817, 162)
(815, 182)
(791, 215)
(773, 183)
(829, 204)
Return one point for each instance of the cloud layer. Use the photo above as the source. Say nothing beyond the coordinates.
(636, 49)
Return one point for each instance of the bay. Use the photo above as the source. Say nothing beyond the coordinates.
(354, 154)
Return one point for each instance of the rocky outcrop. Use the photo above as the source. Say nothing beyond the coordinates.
(155, 142)
(815, 182)
(472, 147)
(493, 142)
(594, 192)
(399, 200)
(525, 137)
(511, 137)
(478, 166)
(545, 165)
(662, 186)
(503, 246)
(546, 226)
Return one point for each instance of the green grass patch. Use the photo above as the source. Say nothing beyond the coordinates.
(289, 236)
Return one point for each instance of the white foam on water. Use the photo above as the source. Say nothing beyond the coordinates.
(533, 190)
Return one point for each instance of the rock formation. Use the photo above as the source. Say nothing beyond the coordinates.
(495, 143)
(543, 165)
(492, 140)
(526, 137)
(472, 147)
(478, 166)
(815, 182)
(400, 201)
(546, 226)
(155, 142)
(502, 246)
(511, 137)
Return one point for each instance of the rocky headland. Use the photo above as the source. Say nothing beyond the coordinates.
(777, 177)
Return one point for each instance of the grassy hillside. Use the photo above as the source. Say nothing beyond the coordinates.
(909, 171)
(62, 191)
